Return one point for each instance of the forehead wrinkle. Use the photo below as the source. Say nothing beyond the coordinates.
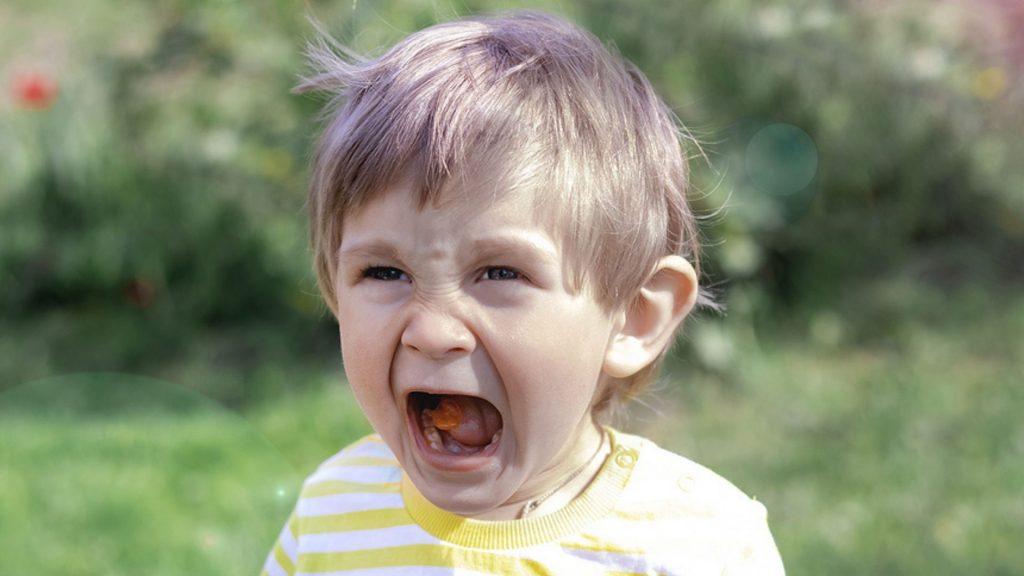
(382, 249)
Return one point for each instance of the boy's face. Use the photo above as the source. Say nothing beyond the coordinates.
(468, 305)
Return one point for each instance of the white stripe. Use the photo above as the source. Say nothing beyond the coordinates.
(401, 571)
(272, 567)
(468, 572)
(368, 449)
(288, 543)
(698, 558)
(389, 571)
(669, 533)
(345, 503)
(555, 559)
(611, 560)
(366, 539)
(360, 474)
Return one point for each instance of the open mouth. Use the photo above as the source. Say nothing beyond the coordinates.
(456, 424)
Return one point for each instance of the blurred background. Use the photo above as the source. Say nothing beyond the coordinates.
(168, 374)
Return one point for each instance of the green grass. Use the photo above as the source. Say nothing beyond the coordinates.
(898, 458)
(111, 474)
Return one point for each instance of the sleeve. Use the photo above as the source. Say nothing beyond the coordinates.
(282, 557)
(756, 553)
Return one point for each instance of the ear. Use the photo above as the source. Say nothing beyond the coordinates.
(647, 324)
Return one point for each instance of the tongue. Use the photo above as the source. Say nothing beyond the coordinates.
(469, 420)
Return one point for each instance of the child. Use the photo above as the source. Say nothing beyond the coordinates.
(500, 227)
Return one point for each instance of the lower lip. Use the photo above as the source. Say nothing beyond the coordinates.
(449, 462)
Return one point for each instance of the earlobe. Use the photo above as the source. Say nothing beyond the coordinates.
(649, 322)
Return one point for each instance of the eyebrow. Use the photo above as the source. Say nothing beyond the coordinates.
(498, 245)
(372, 249)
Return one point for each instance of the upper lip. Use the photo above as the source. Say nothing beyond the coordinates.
(445, 392)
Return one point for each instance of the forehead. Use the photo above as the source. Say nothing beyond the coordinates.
(511, 197)
(398, 213)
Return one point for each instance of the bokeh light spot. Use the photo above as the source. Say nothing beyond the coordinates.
(781, 159)
(989, 83)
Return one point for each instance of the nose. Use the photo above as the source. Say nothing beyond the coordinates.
(437, 334)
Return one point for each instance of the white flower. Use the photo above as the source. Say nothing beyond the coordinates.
(774, 21)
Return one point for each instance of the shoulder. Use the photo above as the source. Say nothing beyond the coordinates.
(690, 503)
(363, 476)
(365, 461)
(691, 487)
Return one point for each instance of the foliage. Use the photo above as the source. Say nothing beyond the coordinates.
(916, 175)
(158, 201)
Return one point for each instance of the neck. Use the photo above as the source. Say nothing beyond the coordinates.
(557, 490)
(570, 488)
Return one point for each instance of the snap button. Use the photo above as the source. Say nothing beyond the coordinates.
(686, 482)
(625, 459)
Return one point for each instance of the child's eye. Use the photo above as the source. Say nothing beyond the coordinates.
(501, 273)
(384, 273)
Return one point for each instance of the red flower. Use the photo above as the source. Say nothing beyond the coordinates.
(139, 292)
(34, 90)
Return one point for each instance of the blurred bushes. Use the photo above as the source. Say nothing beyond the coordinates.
(152, 214)
(918, 179)
(157, 201)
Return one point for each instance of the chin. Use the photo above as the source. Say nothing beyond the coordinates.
(468, 501)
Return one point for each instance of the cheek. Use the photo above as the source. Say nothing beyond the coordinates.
(365, 353)
(551, 365)
(362, 326)
(367, 372)
(572, 342)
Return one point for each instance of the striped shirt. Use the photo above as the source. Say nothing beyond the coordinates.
(648, 511)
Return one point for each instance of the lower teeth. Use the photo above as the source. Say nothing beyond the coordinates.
(445, 443)
(433, 437)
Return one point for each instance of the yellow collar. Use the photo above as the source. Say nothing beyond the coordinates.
(599, 498)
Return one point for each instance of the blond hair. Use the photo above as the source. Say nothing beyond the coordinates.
(545, 106)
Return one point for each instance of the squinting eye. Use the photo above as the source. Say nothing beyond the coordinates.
(499, 273)
(384, 273)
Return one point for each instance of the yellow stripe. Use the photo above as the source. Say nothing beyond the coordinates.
(364, 440)
(360, 461)
(666, 514)
(331, 487)
(293, 527)
(636, 516)
(363, 520)
(423, 555)
(283, 560)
